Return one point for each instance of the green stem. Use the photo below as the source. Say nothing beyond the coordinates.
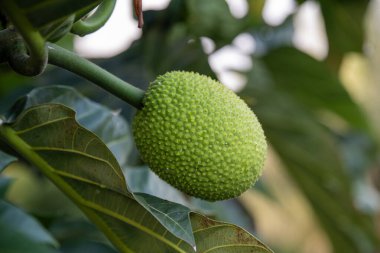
(96, 20)
(29, 63)
(12, 139)
(70, 61)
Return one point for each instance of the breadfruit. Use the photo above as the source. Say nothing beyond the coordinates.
(199, 136)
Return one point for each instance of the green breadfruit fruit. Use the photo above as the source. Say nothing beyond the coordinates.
(200, 137)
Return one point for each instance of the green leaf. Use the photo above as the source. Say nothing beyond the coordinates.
(312, 84)
(209, 233)
(109, 126)
(15, 219)
(81, 166)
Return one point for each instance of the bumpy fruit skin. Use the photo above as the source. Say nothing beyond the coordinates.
(199, 136)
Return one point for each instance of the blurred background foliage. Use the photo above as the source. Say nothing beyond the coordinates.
(320, 189)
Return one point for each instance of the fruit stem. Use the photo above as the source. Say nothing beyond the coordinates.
(72, 62)
(96, 20)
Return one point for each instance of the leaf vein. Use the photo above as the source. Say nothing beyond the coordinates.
(79, 153)
(41, 125)
(234, 245)
(216, 226)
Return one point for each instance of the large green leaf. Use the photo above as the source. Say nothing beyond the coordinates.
(312, 84)
(82, 166)
(18, 230)
(311, 158)
(43, 198)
